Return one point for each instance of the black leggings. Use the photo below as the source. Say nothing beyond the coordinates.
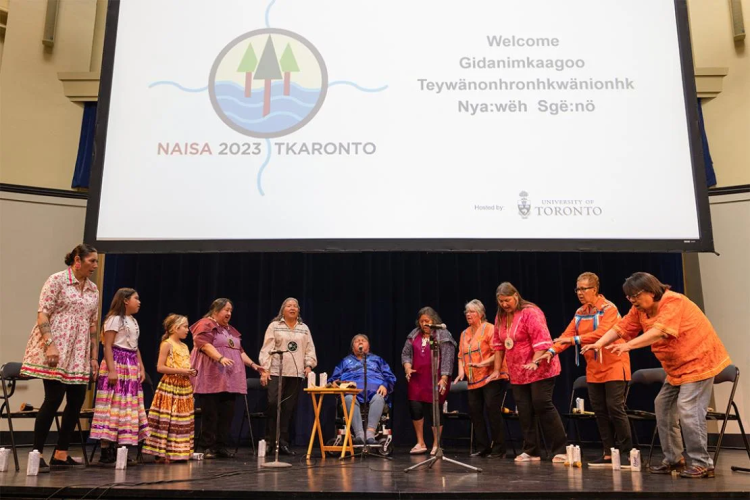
(54, 392)
(418, 410)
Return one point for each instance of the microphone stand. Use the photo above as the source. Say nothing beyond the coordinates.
(365, 414)
(436, 411)
(276, 463)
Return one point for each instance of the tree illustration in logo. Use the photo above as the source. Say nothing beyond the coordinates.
(247, 65)
(288, 66)
(271, 96)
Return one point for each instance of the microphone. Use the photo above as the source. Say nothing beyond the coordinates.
(361, 348)
(439, 326)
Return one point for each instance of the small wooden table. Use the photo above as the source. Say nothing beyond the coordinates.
(317, 394)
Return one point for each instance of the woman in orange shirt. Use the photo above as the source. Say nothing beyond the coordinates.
(683, 340)
(476, 360)
(607, 375)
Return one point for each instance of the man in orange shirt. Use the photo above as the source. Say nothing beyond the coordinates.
(683, 340)
(606, 373)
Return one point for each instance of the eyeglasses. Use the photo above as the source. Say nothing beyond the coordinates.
(633, 297)
(583, 289)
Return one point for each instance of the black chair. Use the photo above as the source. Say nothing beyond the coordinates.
(729, 374)
(253, 386)
(645, 377)
(458, 388)
(10, 375)
(579, 386)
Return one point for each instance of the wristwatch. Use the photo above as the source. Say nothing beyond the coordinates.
(48, 342)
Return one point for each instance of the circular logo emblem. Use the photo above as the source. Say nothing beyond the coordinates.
(268, 83)
(292, 346)
(230, 342)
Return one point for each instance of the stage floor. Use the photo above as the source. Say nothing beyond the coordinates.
(243, 477)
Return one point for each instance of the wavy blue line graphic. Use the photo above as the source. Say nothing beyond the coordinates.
(267, 117)
(282, 98)
(358, 87)
(268, 11)
(263, 167)
(175, 84)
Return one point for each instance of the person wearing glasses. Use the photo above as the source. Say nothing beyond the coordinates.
(607, 375)
(691, 353)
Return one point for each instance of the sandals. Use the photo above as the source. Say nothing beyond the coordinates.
(418, 450)
(560, 458)
(434, 451)
(525, 457)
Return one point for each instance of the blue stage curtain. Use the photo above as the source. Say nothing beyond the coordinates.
(710, 173)
(85, 147)
(374, 293)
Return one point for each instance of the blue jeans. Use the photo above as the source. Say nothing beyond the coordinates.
(684, 407)
(377, 403)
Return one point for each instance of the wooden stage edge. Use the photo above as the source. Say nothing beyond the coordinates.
(357, 478)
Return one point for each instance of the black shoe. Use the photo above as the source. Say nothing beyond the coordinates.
(358, 441)
(43, 467)
(481, 453)
(601, 462)
(209, 454)
(496, 454)
(68, 462)
(224, 453)
(372, 441)
(284, 450)
(107, 456)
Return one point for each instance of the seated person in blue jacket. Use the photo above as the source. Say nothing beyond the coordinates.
(380, 382)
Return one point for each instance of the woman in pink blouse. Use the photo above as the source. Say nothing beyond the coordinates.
(521, 337)
(63, 348)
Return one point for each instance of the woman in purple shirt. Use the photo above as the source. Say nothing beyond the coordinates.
(220, 361)
(417, 362)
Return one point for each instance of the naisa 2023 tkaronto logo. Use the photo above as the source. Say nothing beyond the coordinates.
(268, 83)
(557, 207)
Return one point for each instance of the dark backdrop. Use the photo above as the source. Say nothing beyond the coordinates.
(374, 293)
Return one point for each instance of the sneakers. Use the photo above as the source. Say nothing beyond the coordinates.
(372, 441)
(601, 462)
(697, 472)
(68, 462)
(665, 468)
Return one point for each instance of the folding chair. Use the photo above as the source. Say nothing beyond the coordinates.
(579, 386)
(253, 386)
(10, 374)
(644, 377)
(458, 388)
(729, 374)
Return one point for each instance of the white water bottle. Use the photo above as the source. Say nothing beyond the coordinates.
(311, 379)
(445, 406)
(635, 460)
(4, 457)
(32, 469)
(616, 463)
(122, 458)
(570, 460)
(262, 448)
(323, 379)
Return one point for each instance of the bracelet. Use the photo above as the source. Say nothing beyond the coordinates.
(219, 360)
(552, 350)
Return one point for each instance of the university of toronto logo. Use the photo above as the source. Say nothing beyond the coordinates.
(524, 207)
